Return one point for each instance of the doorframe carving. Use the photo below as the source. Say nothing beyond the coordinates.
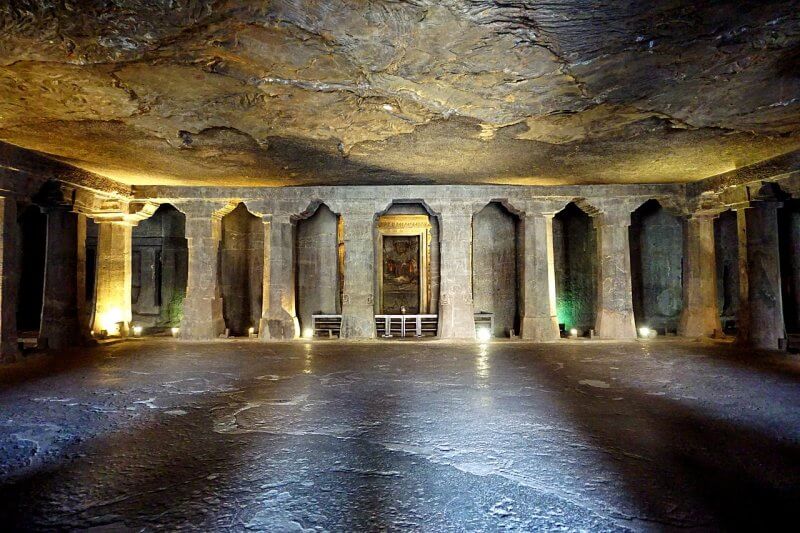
(408, 226)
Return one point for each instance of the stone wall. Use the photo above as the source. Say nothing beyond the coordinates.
(317, 262)
(727, 257)
(241, 270)
(495, 281)
(575, 249)
(656, 240)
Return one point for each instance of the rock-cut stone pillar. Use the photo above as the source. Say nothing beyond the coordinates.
(112, 312)
(539, 321)
(84, 306)
(615, 293)
(59, 325)
(700, 314)
(358, 300)
(279, 315)
(456, 312)
(9, 279)
(766, 327)
(202, 306)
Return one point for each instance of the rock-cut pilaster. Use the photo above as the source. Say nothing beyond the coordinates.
(615, 318)
(539, 321)
(279, 315)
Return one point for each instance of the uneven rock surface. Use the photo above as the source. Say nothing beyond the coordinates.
(569, 436)
(415, 91)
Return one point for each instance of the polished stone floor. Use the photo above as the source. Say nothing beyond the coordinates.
(239, 435)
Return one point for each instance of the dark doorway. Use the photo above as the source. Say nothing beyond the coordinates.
(33, 240)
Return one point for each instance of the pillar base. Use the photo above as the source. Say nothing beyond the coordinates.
(699, 323)
(202, 321)
(358, 327)
(457, 322)
(614, 325)
(59, 335)
(759, 343)
(281, 327)
(9, 352)
(540, 328)
(201, 332)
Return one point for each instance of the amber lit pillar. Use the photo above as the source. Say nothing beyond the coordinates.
(700, 314)
(615, 292)
(84, 326)
(112, 311)
(202, 306)
(59, 325)
(279, 316)
(765, 326)
(456, 313)
(9, 278)
(358, 308)
(539, 321)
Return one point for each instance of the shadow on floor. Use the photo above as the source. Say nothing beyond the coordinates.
(682, 464)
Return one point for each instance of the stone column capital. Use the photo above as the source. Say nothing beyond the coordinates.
(117, 210)
(453, 208)
(542, 208)
(530, 215)
(614, 215)
(278, 218)
(702, 215)
(113, 222)
(201, 209)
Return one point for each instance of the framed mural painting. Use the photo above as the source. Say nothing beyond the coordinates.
(404, 264)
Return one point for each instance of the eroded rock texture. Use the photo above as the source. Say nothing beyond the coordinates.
(304, 91)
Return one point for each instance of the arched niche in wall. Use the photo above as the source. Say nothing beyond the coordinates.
(241, 270)
(32, 225)
(495, 272)
(575, 257)
(656, 246)
(726, 248)
(404, 231)
(159, 269)
(317, 257)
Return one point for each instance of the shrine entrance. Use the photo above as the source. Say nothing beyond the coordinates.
(404, 243)
(404, 276)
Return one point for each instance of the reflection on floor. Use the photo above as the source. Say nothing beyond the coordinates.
(242, 435)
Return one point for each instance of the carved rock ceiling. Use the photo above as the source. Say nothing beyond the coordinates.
(391, 91)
